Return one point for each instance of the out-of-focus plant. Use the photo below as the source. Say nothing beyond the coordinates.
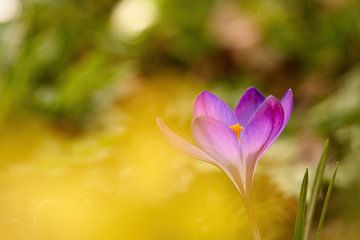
(305, 214)
(300, 213)
(55, 57)
(338, 116)
(292, 41)
(294, 37)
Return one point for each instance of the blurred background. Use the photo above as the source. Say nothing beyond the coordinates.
(81, 83)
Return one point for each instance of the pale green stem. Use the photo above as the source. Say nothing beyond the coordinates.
(246, 196)
(250, 210)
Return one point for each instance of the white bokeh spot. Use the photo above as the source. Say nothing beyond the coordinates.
(131, 17)
(9, 9)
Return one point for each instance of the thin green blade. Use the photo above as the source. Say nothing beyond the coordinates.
(316, 189)
(326, 203)
(300, 213)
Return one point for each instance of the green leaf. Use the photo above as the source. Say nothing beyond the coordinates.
(326, 203)
(316, 189)
(300, 213)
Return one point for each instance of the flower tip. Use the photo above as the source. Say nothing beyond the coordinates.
(251, 88)
(253, 91)
(272, 98)
(289, 92)
(201, 96)
(159, 121)
(204, 93)
(273, 102)
(288, 96)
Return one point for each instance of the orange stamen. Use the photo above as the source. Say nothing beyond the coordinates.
(237, 129)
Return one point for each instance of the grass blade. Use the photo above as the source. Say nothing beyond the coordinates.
(326, 203)
(300, 213)
(316, 189)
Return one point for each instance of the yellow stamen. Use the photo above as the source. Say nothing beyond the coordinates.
(237, 129)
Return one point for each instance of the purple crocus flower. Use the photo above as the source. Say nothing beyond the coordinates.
(235, 140)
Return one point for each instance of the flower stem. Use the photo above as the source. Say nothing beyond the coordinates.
(249, 208)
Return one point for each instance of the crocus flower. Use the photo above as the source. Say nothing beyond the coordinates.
(235, 140)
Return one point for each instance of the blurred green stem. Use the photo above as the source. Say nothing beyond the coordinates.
(326, 204)
(316, 190)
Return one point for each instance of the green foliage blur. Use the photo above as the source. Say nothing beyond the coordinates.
(71, 61)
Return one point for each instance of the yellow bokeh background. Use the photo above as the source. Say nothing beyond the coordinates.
(119, 179)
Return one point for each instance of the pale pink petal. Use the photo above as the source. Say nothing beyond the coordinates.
(182, 145)
(218, 140)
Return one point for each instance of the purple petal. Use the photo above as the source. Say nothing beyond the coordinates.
(263, 127)
(208, 104)
(183, 145)
(218, 140)
(248, 104)
(287, 104)
(260, 133)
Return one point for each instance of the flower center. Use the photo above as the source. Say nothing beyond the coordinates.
(237, 129)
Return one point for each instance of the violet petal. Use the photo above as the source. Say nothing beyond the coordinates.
(248, 104)
(208, 104)
(261, 132)
(287, 104)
